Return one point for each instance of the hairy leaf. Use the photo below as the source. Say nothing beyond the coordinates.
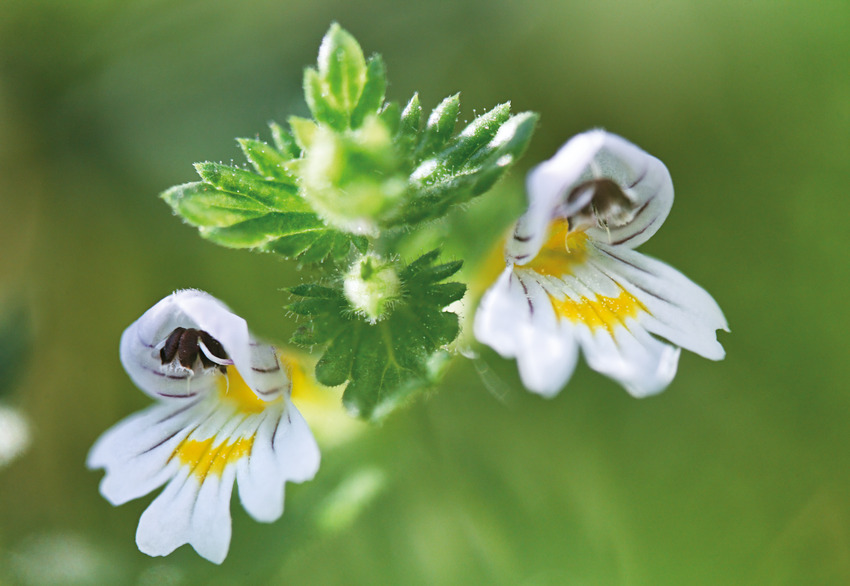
(383, 362)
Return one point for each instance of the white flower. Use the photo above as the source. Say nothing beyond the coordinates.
(573, 279)
(224, 414)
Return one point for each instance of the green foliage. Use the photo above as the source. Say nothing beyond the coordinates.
(450, 170)
(239, 209)
(359, 166)
(348, 184)
(383, 361)
(345, 88)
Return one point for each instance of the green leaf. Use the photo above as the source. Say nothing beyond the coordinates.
(474, 137)
(303, 131)
(323, 108)
(411, 118)
(238, 209)
(343, 90)
(468, 166)
(284, 142)
(385, 361)
(439, 128)
(342, 65)
(372, 98)
(269, 162)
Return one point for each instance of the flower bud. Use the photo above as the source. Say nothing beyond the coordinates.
(352, 177)
(371, 286)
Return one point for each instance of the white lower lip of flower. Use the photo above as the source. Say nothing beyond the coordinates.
(233, 426)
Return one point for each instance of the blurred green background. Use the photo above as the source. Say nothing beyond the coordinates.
(737, 474)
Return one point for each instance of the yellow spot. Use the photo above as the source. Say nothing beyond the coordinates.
(601, 312)
(203, 459)
(304, 386)
(561, 250)
(489, 267)
(233, 388)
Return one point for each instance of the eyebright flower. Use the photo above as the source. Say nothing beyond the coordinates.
(224, 414)
(573, 278)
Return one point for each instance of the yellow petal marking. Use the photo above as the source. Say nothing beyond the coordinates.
(600, 312)
(203, 459)
(233, 388)
(561, 250)
(304, 386)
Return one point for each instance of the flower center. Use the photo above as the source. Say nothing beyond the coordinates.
(186, 345)
(233, 389)
(561, 251)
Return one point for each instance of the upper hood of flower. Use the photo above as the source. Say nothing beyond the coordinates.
(599, 182)
(143, 341)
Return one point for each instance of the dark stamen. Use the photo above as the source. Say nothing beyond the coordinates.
(169, 351)
(188, 351)
(183, 344)
(213, 345)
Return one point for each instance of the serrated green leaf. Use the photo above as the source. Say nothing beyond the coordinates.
(334, 90)
(411, 118)
(390, 116)
(510, 141)
(466, 168)
(474, 137)
(420, 264)
(321, 247)
(361, 243)
(334, 366)
(324, 109)
(238, 209)
(382, 361)
(274, 195)
(201, 204)
(446, 293)
(432, 274)
(258, 232)
(438, 130)
(284, 142)
(303, 130)
(269, 162)
(374, 88)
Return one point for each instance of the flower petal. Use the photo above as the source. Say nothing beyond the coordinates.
(516, 319)
(678, 309)
(547, 185)
(166, 523)
(141, 343)
(596, 310)
(137, 452)
(554, 189)
(645, 180)
(628, 354)
(283, 450)
(191, 511)
(195, 506)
